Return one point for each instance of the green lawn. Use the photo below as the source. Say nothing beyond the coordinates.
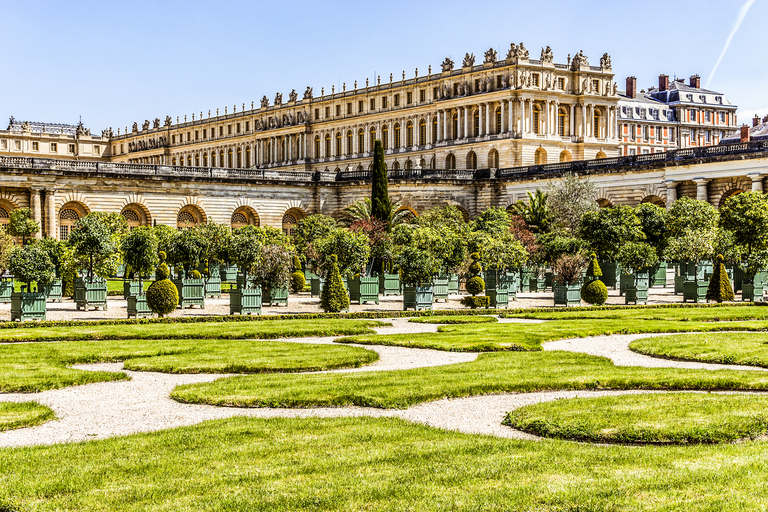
(221, 330)
(686, 313)
(727, 348)
(24, 414)
(666, 418)
(374, 464)
(30, 367)
(454, 319)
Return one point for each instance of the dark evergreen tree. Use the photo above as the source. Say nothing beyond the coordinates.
(720, 289)
(381, 208)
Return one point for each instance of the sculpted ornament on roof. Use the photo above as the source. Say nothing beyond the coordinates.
(292, 95)
(135, 127)
(264, 101)
(490, 56)
(469, 60)
(580, 60)
(278, 99)
(517, 51)
(447, 64)
(169, 121)
(145, 126)
(605, 61)
(546, 55)
(308, 94)
(156, 123)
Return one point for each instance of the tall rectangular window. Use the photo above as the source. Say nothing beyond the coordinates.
(373, 103)
(499, 82)
(423, 95)
(35, 146)
(238, 127)
(360, 106)
(247, 126)
(408, 98)
(338, 110)
(383, 102)
(349, 108)
(397, 100)
(317, 114)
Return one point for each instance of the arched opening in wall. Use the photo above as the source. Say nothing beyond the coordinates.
(597, 125)
(189, 160)
(385, 137)
(476, 123)
(396, 165)
(540, 157)
(471, 160)
(338, 145)
(229, 159)
(455, 125)
(244, 216)
(205, 159)
(213, 159)
(221, 158)
(498, 120)
(409, 134)
(239, 157)
(450, 161)
(396, 140)
(361, 141)
(327, 145)
(464, 212)
(565, 156)
(406, 213)
(359, 167)
(317, 146)
(604, 203)
(422, 164)
(248, 157)
(432, 163)
(434, 129)
(561, 122)
(69, 214)
(189, 216)
(349, 142)
(600, 155)
(422, 132)
(536, 121)
(6, 208)
(372, 139)
(136, 215)
(653, 199)
(493, 159)
(408, 164)
(728, 194)
(291, 218)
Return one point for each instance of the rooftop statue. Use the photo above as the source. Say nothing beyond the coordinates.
(469, 60)
(447, 64)
(308, 93)
(490, 56)
(546, 55)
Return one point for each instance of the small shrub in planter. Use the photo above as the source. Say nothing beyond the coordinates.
(475, 285)
(719, 289)
(418, 267)
(140, 254)
(94, 241)
(7, 247)
(636, 258)
(30, 264)
(162, 295)
(298, 281)
(334, 297)
(568, 269)
(594, 291)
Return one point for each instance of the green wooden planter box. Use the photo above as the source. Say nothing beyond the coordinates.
(752, 289)
(659, 275)
(695, 291)
(28, 306)
(244, 301)
(497, 288)
(6, 289)
(191, 292)
(275, 296)
(512, 282)
(550, 277)
(417, 297)
(91, 294)
(440, 287)
(567, 295)
(637, 291)
(53, 291)
(538, 284)
(738, 279)
(453, 284)
(137, 307)
(389, 284)
(120, 272)
(364, 289)
(525, 279)
(625, 281)
(131, 288)
(213, 286)
(228, 274)
(611, 272)
(316, 286)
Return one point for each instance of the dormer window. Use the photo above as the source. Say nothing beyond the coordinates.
(719, 99)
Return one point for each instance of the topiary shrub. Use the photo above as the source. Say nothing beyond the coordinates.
(594, 271)
(162, 295)
(334, 297)
(296, 263)
(195, 275)
(720, 289)
(475, 284)
(297, 281)
(594, 292)
(476, 302)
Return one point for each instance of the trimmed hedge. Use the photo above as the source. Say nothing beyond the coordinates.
(162, 297)
(298, 282)
(476, 302)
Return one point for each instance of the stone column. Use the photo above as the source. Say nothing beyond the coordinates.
(439, 126)
(445, 124)
(487, 119)
(530, 116)
(34, 205)
(503, 119)
(511, 122)
(50, 213)
(547, 113)
(701, 189)
(671, 192)
(757, 181)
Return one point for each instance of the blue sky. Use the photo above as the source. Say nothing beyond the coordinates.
(115, 63)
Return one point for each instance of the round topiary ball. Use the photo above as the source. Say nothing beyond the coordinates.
(162, 272)
(195, 274)
(594, 293)
(297, 281)
(162, 297)
(475, 268)
(475, 285)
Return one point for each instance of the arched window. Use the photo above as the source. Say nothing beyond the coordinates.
(68, 217)
(221, 158)
(493, 159)
(338, 144)
(197, 159)
(455, 125)
(239, 157)
(5, 217)
(471, 160)
(132, 217)
(409, 135)
(248, 156)
(434, 129)
(317, 146)
(361, 141)
(185, 219)
(561, 122)
(189, 160)
(476, 123)
(396, 165)
(385, 137)
(327, 145)
(541, 156)
(173, 161)
(422, 132)
(396, 141)
(432, 163)
(289, 224)
(600, 155)
(373, 138)
(239, 220)
(596, 123)
(205, 159)
(229, 158)
(498, 120)
(450, 161)
(349, 142)
(536, 119)
(565, 156)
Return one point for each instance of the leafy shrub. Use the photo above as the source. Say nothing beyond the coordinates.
(475, 285)
(32, 263)
(334, 297)
(594, 271)
(719, 288)
(195, 274)
(594, 292)
(476, 302)
(297, 281)
(568, 268)
(637, 257)
(296, 262)
(417, 266)
(162, 297)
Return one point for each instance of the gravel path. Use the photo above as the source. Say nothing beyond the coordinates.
(102, 410)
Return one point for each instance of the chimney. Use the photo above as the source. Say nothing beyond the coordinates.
(696, 81)
(765, 119)
(756, 120)
(632, 87)
(745, 133)
(663, 82)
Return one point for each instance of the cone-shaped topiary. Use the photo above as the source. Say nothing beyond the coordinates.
(162, 295)
(594, 271)
(297, 281)
(720, 288)
(296, 263)
(334, 297)
(594, 290)
(475, 285)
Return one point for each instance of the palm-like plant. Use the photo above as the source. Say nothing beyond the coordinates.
(361, 210)
(535, 213)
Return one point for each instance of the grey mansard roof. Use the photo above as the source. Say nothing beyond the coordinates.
(679, 93)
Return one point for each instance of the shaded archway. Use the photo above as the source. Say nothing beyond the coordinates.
(565, 156)
(471, 160)
(407, 212)
(6, 208)
(600, 155)
(189, 216)
(493, 159)
(728, 194)
(136, 215)
(69, 214)
(292, 217)
(604, 203)
(540, 156)
(244, 216)
(653, 199)
(450, 161)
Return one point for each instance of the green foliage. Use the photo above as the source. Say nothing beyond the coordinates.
(636, 257)
(162, 271)
(162, 297)
(244, 250)
(7, 246)
(350, 248)
(726, 244)
(447, 216)
(195, 275)
(217, 237)
(56, 249)
(746, 215)
(22, 225)
(298, 282)
(754, 263)
(569, 199)
(594, 292)
(501, 251)
(165, 236)
(115, 223)
(445, 245)
(187, 250)
(274, 270)
(691, 245)
(689, 214)
(594, 271)
(494, 221)
(140, 253)
(308, 230)
(568, 268)
(475, 285)
(720, 289)
(31, 263)
(557, 243)
(608, 229)
(536, 212)
(381, 208)
(296, 262)
(417, 266)
(94, 245)
(721, 348)
(653, 222)
(333, 297)
(476, 302)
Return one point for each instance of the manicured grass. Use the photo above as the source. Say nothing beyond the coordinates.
(453, 319)
(24, 414)
(703, 312)
(727, 348)
(496, 372)
(666, 418)
(221, 330)
(522, 337)
(116, 285)
(374, 464)
(31, 367)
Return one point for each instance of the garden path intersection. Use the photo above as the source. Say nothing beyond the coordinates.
(142, 404)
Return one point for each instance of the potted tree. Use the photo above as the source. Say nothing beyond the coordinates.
(475, 285)
(636, 259)
(245, 250)
(274, 272)
(30, 264)
(307, 232)
(186, 253)
(217, 237)
(352, 252)
(653, 222)
(94, 246)
(746, 217)
(694, 251)
(503, 256)
(7, 246)
(755, 276)
(57, 252)
(140, 255)
(567, 282)
(606, 231)
(594, 291)
(22, 225)
(365, 286)
(417, 267)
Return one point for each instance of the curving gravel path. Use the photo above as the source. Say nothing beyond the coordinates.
(102, 410)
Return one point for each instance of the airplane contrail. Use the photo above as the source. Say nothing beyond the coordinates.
(742, 14)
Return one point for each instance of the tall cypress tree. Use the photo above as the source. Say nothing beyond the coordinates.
(381, 208)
